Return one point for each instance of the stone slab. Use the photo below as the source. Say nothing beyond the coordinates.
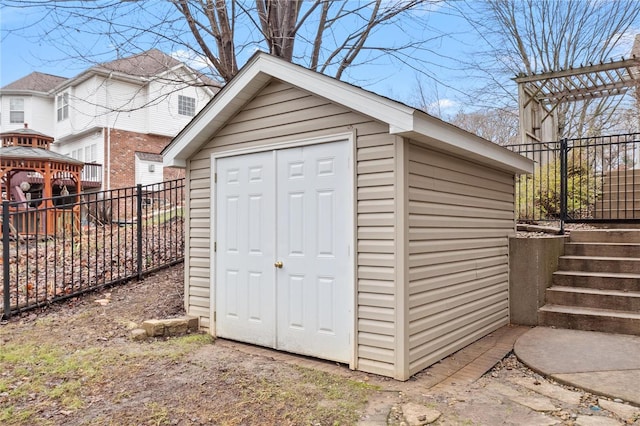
(596, 421)
(171, 326)
(624, 411)
(419, 415)
(154, 328)
(536, 403)
(549, 390)
(621, 384)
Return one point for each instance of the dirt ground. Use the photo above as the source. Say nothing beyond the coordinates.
(75, 364)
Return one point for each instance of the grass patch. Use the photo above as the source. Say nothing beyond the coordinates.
(177, 347)
(340, 399)
(39, 374)
(301, 396)
(36, 376)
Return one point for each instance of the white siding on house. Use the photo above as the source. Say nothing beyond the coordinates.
(460, 217)
(148, 171)
(84, 113)
(283, 113)
(40, 115)
(37, 114)
(103, 102)
(163, 116)
(126, 101)
(82, 147)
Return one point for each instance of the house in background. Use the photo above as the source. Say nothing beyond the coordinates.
(119, 114)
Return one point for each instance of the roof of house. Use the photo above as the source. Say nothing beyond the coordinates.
(36, 81)
(145, 64)
(148, 156)
(142, 65)
(402, 120)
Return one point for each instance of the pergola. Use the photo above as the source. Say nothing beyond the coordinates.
(25, 160)
(540, 94)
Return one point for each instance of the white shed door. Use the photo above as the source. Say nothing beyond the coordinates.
(292, 207)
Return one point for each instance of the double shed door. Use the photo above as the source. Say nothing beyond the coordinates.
(284, 276)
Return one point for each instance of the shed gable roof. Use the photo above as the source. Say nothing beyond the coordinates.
(402, 120)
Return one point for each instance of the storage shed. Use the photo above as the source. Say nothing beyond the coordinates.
(326, 220)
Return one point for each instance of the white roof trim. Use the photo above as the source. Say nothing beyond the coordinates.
(402, 120)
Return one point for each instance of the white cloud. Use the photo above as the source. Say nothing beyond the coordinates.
(191, 59)
(442, 106)
(626, 43)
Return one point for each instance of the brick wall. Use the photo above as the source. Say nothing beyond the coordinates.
(124, 145)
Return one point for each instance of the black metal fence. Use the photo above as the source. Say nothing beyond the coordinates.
(581, 180)
(57, 248)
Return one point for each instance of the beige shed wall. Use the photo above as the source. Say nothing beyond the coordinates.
(282, 113)
(460, 215)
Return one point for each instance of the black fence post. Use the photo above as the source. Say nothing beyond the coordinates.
(139, 228)
(5, 261)
(564, 151)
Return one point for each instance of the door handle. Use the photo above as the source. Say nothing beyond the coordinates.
(278, 264)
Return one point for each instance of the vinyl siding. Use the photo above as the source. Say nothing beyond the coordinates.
(376, 249)
(460, 215)
(282, 113)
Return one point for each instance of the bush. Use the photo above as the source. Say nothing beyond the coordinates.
(538, 195)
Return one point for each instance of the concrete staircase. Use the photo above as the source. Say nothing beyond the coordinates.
(620, 197)
(597, 285)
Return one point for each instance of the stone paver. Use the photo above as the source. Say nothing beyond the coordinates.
(624, 411)
(614, 384)
(549, 390)
(419, 415)
(596, 421)
(536, 403)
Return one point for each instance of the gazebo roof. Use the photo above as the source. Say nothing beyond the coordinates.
(24, 131)
(29, 153)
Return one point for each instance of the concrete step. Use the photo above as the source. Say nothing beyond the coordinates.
(597, 280)
(624, 192)
(606, 213)
(609, 203)
(602, 249)
(605, 236)
(592, 319)
(599, 264)
(594, 298)
(619, 174)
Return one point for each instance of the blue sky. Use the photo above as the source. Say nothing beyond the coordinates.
(450, 37)
(20, 56)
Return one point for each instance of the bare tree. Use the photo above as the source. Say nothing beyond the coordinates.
(496, 125)
(532, 36)
(329, 36)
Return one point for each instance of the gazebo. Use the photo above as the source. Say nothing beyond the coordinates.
(42, 186)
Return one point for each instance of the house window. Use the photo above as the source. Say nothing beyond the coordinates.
(63, 106)
(186, 105)
(16, 110)
(90, 153)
